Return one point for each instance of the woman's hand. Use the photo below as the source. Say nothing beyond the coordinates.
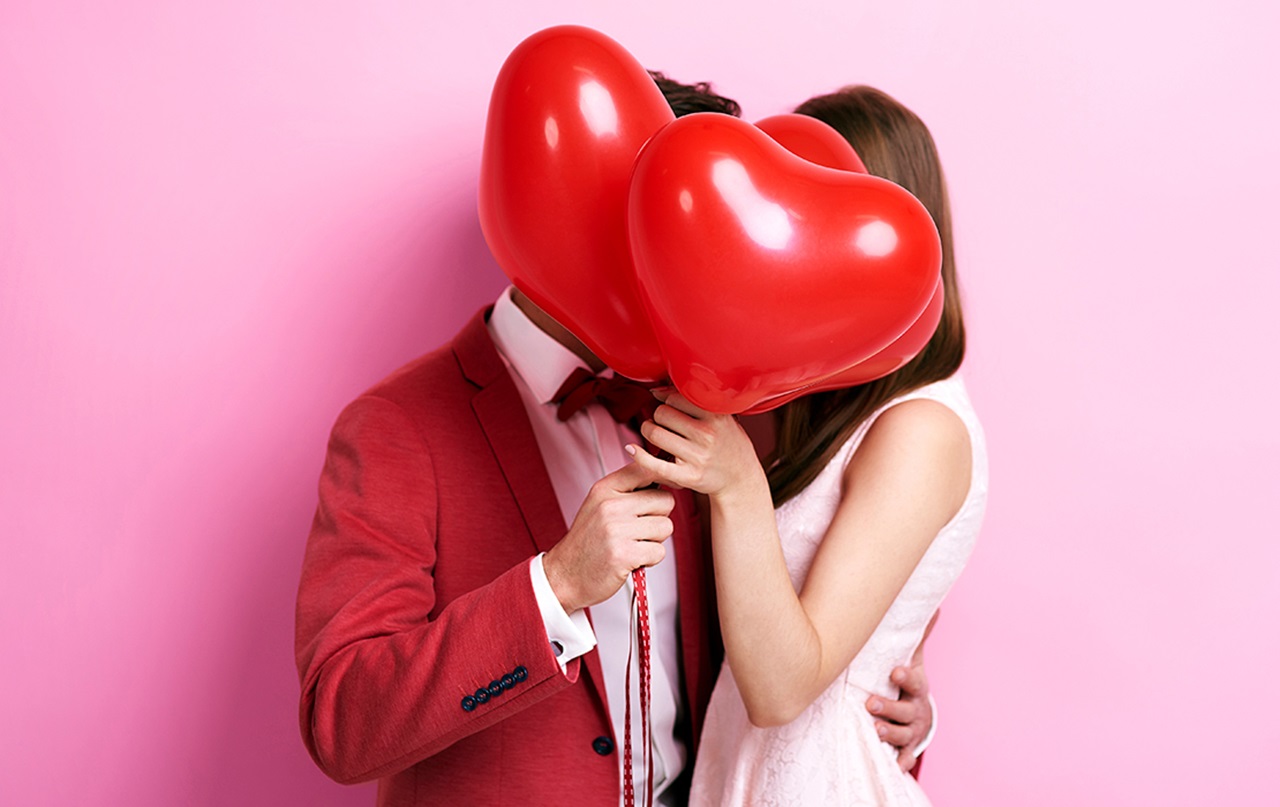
(710, 453)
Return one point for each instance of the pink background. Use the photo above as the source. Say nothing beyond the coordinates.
(221, 221)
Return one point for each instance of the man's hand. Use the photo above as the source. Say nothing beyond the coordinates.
(620, 527)
(905, 723)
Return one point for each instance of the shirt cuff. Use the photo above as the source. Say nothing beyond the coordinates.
(933, 726)
(570, 635)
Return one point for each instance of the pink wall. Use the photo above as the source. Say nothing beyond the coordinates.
(218, 223)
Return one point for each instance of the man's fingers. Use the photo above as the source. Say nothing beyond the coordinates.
(893, 734)
(906, 760)
(911, 680)
(653, 528)
(892, 711)
(648, 553)
(651, 502)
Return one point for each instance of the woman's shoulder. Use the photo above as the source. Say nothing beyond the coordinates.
(918, 427)
(942, 404)
(922, 419)
(919, 445)
(950, 392)
(939, 410)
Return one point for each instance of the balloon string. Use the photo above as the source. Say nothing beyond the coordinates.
(640, 629)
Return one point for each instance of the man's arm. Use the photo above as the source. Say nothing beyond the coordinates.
(384, 684)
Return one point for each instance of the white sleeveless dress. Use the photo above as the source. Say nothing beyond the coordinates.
(831, 754)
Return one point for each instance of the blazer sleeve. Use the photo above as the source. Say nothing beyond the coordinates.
(386, 680)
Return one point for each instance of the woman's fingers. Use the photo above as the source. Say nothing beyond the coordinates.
(707, 450)
(670, 397)
(674, 444)
(658, 468)
(673, 419)
(666, 472)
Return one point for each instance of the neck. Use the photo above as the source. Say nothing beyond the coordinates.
(556, 331)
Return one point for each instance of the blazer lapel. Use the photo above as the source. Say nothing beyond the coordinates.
(499, 410)
(502, 417)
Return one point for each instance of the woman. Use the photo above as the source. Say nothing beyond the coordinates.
(879, 491)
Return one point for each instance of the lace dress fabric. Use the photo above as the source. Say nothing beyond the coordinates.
(831, 754)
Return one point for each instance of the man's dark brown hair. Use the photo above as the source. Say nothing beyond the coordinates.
(686, 99)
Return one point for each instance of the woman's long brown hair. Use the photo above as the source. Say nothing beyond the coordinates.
(896, 145)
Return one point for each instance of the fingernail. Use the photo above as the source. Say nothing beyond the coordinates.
(882, 730)
(874, 706)
(630, 449)
(898, 676)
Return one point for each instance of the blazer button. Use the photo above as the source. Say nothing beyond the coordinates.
(482, 695)
(508, 681)
(468, 704)
(495, 689)
(520, 673)
(602, 746)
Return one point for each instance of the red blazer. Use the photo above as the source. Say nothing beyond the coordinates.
(423, 658)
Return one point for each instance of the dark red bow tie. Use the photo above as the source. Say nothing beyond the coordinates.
(625, 400)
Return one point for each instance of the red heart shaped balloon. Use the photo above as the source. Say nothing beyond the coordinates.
(891, 358)
(817, 142)
(808, 137)
(570, 111)
(763, 272)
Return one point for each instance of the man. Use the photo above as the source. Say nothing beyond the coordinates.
(463, 626)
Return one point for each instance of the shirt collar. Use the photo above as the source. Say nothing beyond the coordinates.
(540, 361)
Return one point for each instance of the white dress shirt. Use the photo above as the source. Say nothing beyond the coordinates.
(577, 452)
